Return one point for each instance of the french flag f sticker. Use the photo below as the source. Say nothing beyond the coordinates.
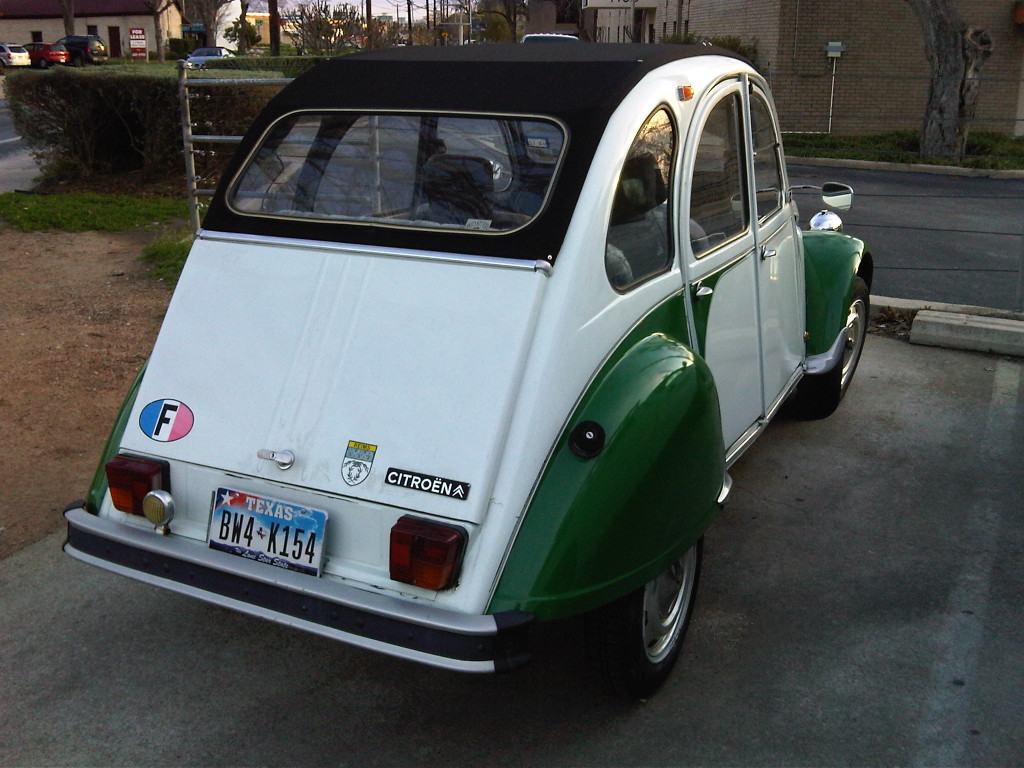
(166, 420)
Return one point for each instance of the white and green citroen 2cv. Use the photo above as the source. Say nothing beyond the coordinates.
(470, 339)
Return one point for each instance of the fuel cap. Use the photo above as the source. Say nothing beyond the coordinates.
(587, 439)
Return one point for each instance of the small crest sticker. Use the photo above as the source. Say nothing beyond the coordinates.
(355, 467)
(166, 420)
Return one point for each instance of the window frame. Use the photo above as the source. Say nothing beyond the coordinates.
(501, 118)
(727, 89)
(670, 202)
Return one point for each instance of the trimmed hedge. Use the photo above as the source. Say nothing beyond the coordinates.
(120, 118)
(282, 66)
(98, 120)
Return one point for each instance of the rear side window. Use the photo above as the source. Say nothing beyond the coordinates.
(638, 245)
(452, 172)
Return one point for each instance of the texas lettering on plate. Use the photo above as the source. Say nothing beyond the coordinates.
(268, 531)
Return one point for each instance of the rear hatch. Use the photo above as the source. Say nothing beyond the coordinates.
(390, 378)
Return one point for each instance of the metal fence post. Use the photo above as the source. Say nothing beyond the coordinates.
(186, 137)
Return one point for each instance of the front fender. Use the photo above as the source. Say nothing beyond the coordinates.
(832, 261)
(599, 528)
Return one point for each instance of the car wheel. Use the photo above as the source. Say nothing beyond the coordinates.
(818, 396)
(634, 641)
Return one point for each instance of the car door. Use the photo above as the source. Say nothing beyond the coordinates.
(719, 252)
(780, 267)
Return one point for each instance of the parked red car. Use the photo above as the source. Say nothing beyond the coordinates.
(45, 55)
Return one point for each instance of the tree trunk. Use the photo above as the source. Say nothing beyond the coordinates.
(275, 28)
(68, 8)
(956, 55)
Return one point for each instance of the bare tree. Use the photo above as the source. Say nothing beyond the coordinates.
(957, 54)
(508, 10)
(157, 9)
(68, 8)
(211, 14)
(318, 28)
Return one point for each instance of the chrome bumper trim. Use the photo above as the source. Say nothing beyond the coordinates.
(826, 361)
(411, 630)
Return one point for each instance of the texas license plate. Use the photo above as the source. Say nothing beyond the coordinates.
(268, 531)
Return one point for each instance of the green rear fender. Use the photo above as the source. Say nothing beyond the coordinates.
(99, 481)
(599, 528)
(832, 261)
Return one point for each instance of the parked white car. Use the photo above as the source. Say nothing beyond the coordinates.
(13, 56)
(200, 57)
(449, 358)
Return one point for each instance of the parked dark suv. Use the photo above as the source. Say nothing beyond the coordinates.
(85, 49)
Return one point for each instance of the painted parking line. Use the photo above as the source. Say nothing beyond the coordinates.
(944, 726)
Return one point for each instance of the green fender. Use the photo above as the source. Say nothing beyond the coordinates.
(599, 528)
(832, 261)
(99, 481)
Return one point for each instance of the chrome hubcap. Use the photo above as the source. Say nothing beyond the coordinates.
(666, 599)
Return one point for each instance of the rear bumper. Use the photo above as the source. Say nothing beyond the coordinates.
(413, 630)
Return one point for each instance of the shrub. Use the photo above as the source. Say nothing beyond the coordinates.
(119, 118)
(280, 66)
(747, 50)
(103, 120)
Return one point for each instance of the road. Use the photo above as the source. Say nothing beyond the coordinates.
(10, 142)
(935, 237)
(861, 604)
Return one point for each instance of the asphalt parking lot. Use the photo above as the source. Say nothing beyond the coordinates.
(861, 604)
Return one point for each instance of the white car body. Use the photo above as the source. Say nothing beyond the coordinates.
(379, 381)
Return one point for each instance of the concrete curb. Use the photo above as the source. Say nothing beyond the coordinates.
(955, 326)
(874, 165)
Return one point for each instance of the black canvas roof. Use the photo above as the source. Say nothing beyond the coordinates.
(580, 84)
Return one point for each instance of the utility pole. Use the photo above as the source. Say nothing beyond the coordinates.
(369, 25)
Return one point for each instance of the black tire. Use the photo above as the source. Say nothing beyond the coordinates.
(634, 641)
(818, 396)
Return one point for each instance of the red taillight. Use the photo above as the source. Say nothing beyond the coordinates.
(426, 554)
(130, 479)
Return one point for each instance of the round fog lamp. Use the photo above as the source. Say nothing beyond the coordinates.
(158, 507)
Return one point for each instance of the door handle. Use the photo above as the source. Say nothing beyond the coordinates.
(767, 253)
(283, 459)
(703, 292)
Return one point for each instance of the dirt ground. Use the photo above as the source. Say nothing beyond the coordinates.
(78, 317)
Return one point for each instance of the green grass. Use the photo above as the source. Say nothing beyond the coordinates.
(84, 211)
(993, 151)
(166, 255)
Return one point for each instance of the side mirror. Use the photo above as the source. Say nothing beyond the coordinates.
(836, 195)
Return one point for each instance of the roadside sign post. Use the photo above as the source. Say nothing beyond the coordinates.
(137, 43)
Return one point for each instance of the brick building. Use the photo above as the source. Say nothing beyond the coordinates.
(881, 75)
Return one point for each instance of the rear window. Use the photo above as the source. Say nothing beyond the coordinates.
(16, 49)
(452, 172)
